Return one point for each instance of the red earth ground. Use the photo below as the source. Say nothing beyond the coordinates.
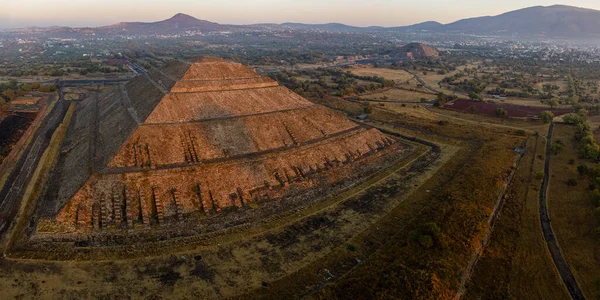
(489, 109)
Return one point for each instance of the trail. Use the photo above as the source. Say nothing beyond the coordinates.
(559, 260)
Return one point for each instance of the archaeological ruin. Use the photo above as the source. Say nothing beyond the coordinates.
(196, 139)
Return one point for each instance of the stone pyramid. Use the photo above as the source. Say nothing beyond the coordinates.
(195, 138)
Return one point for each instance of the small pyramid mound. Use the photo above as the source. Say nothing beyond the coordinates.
(198, 137)
(418, 51)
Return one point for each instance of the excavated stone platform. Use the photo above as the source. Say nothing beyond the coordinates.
(193, 139)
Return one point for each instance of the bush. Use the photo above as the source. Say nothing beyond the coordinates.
(539, 175)
(546, 116)
(571, 161)
(501, 112)
(351, 248)
(432, 229)
(520, 132)
(368, 108)
(414, 235)
(426, 241)
(572, 182)
(582, 169)
(556, 147)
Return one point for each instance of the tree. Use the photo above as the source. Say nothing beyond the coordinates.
(552, 102)
(501, 112)
(474, 95)
(9, 94)
(582, 169)
(368, 108)
(441, 100)
(546, 116)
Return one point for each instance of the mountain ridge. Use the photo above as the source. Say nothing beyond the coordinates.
(560, 21)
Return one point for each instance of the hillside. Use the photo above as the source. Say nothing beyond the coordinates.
(176, 24)
(549, 21)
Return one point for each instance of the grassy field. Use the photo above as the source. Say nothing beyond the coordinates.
(517, 255)
(398, 76)
(398, 95)
(572, 215)
(560, 83)
(524, 101)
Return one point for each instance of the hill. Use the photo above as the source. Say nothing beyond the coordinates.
(550, 21)
(176, 24)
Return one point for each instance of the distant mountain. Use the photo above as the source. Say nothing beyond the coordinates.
(425, 26)
(177, 24)
(325, 27)
(550, 21)
(558, 21)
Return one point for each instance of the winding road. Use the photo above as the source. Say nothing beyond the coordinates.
(559, 260)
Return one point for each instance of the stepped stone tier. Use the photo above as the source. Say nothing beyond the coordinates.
(195, 138)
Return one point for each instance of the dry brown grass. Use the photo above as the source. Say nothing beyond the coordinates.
(517, 254)
(398, 76)
(572, 214)
(399, 95)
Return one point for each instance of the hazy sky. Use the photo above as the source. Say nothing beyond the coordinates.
(20, 13)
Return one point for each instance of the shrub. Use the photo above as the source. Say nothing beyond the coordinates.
(426, 241)
(414, 235)
(539, 175)
(368, 108)
(572, 182)
(501, 112)
(582, 169)
(351, 248)
(546, 116)
(556, 147)
(431, 229)
(571, 161)
(520, 132)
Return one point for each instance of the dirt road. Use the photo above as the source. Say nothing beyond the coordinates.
(559, 260)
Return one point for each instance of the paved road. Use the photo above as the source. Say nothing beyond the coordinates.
(12, 192)
(559, 260)
(63, 83)
(421, 81)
